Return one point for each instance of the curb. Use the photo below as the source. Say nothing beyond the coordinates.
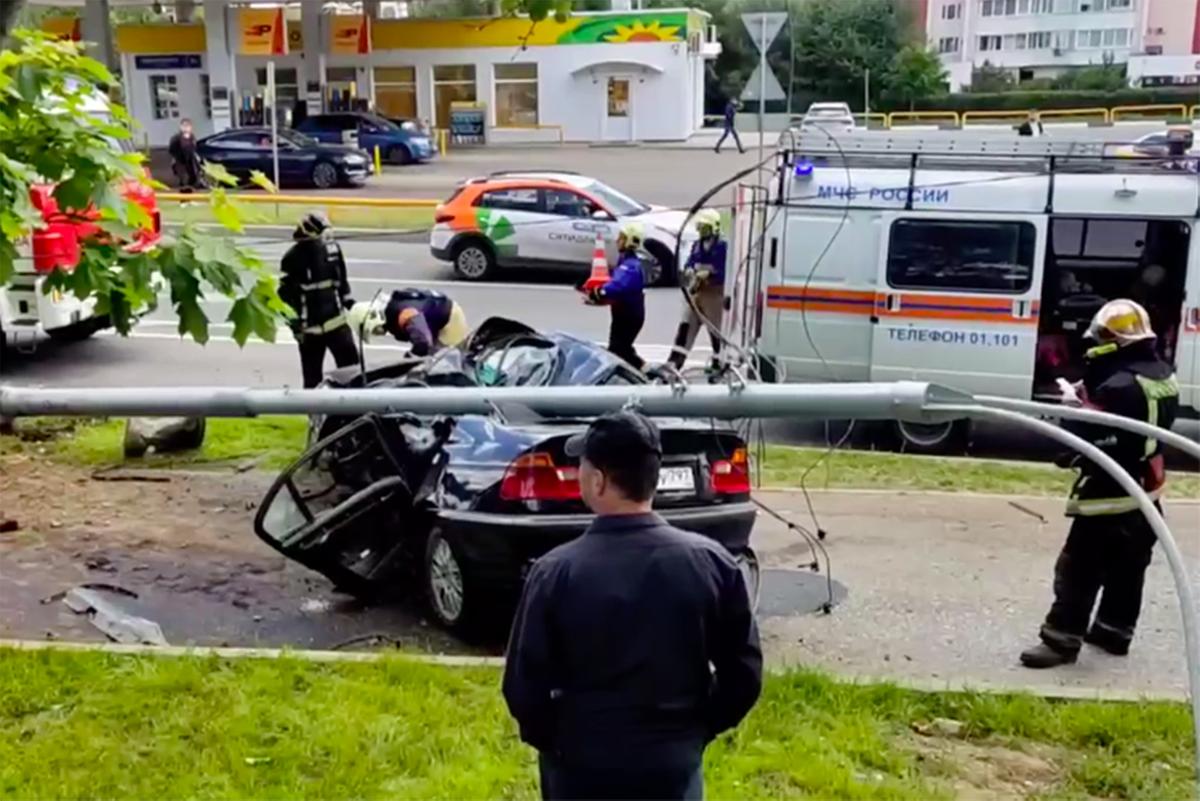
(451, 661)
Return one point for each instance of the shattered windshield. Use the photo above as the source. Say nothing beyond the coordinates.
(518, 363)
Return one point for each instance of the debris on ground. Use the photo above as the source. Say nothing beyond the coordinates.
(9, 526)
(162, 435)
(939, 727)
(117, 624)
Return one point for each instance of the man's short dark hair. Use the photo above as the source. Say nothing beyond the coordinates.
(625, 447)
(186, 120)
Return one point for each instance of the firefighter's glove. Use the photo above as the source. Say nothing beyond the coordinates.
(595, 296)
(1068, 460)
(347, 303)
(1070, 392)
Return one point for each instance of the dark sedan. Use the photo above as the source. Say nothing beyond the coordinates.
(461, 506)
(303, 161)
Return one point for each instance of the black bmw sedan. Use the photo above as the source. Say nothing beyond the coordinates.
(303, 161)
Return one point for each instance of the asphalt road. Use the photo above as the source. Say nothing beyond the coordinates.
(154, 355)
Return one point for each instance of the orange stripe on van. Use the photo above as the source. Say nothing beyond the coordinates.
(912, 305)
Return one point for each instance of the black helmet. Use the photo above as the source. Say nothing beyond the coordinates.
(311, 226)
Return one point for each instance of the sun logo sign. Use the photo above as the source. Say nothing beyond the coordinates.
(640, 32)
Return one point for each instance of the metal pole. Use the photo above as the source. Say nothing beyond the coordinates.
(1177, 441)
(906, 400)
(1183, 585)
(274, 119)
(762, 86)
(867, 98)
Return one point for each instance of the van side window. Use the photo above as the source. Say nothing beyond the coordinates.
(961, 255)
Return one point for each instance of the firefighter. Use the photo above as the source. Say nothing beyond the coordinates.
(704, 282)
(1110, 542)
(624, 294)
(427, 319)
(315, 285)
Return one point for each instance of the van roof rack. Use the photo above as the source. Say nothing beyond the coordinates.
(1000, 153)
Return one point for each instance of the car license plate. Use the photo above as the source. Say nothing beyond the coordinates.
(676, 479)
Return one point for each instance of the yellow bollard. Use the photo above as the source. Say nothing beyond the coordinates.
(378, 161)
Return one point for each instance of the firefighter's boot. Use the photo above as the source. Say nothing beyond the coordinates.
(1043, 656)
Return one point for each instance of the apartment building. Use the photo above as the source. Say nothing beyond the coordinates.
(1044, 38)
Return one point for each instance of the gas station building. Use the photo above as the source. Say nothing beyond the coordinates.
(620, 76)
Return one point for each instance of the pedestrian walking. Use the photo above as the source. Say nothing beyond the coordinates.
(704, 283)
(625, 295)
(731, 110)
(1109, 546)
(426, 318)
(1032, 126)
(315, 285)
(634, 645)
(185, 162)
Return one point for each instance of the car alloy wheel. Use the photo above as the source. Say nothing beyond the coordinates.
(472, 262)
(747, 562)
(445, 580)
(325, 176)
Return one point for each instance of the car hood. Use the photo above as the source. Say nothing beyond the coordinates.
(667, 221)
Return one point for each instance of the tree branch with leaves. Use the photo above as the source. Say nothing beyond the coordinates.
(52, 135)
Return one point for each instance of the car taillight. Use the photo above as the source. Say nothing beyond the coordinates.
(535, 477)
(442, 216)
(732, 476)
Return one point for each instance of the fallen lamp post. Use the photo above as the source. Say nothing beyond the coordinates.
(909, 401)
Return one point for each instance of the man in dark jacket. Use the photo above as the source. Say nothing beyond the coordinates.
(185, 163)
(625, 295)
(315, 285)
(633, 645)
(1110, 543)
(731, 109)
(426, 318)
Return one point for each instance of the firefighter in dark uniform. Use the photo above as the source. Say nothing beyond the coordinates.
(427, 319)
(625, 295)
(704, 282)
(635, 644)
(315, 285)
(1109, 546)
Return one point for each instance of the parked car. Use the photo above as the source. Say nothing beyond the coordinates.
(829, 117)
(461, 506)
(397, 144)
(548, 220)
(302, 159)
(1150, 146)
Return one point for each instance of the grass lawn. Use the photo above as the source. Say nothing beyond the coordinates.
(276, 441)
(403, 219)
(91, 725)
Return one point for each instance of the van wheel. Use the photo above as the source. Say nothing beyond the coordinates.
(452, 597)
(930, 438)
(80, 331)
(474, 260)
(399, 155)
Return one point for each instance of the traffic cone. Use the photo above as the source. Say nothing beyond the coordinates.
(599, 276)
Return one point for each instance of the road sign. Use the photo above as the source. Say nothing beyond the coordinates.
(763, 27)
(766, 82)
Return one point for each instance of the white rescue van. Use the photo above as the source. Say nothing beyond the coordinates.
(872, 259)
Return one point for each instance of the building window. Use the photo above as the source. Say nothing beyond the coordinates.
(1065, 40)
(516, 95)
(206, 91)
(452, 83)
(948, 44)
(396, 92)
(990, 43)
(1120, 5)
(287, 85)
(985, 8)
(951, 10)
(961, 255)
(618, 97)
(164, 94)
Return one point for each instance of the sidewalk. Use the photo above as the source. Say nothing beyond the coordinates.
(949, 590)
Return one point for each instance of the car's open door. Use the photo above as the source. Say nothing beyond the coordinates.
(342, 508)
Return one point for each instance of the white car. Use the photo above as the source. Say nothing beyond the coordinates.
(829, 117)
(548, 219)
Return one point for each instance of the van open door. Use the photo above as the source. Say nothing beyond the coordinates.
(1187, 360)
(957, 301)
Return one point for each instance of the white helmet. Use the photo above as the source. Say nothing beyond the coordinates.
(707, 218)
(633, 233)
(1121, 321)
(366, 319)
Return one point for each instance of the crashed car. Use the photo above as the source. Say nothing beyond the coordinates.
(463, 505)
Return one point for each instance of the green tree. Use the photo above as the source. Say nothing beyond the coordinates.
(51, 136)
(837, 41)
(987, 77)
(916, 74)
(1107, 77)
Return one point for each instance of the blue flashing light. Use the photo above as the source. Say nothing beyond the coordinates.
(804, 169)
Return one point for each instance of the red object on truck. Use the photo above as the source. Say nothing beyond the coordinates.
(57, 243)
